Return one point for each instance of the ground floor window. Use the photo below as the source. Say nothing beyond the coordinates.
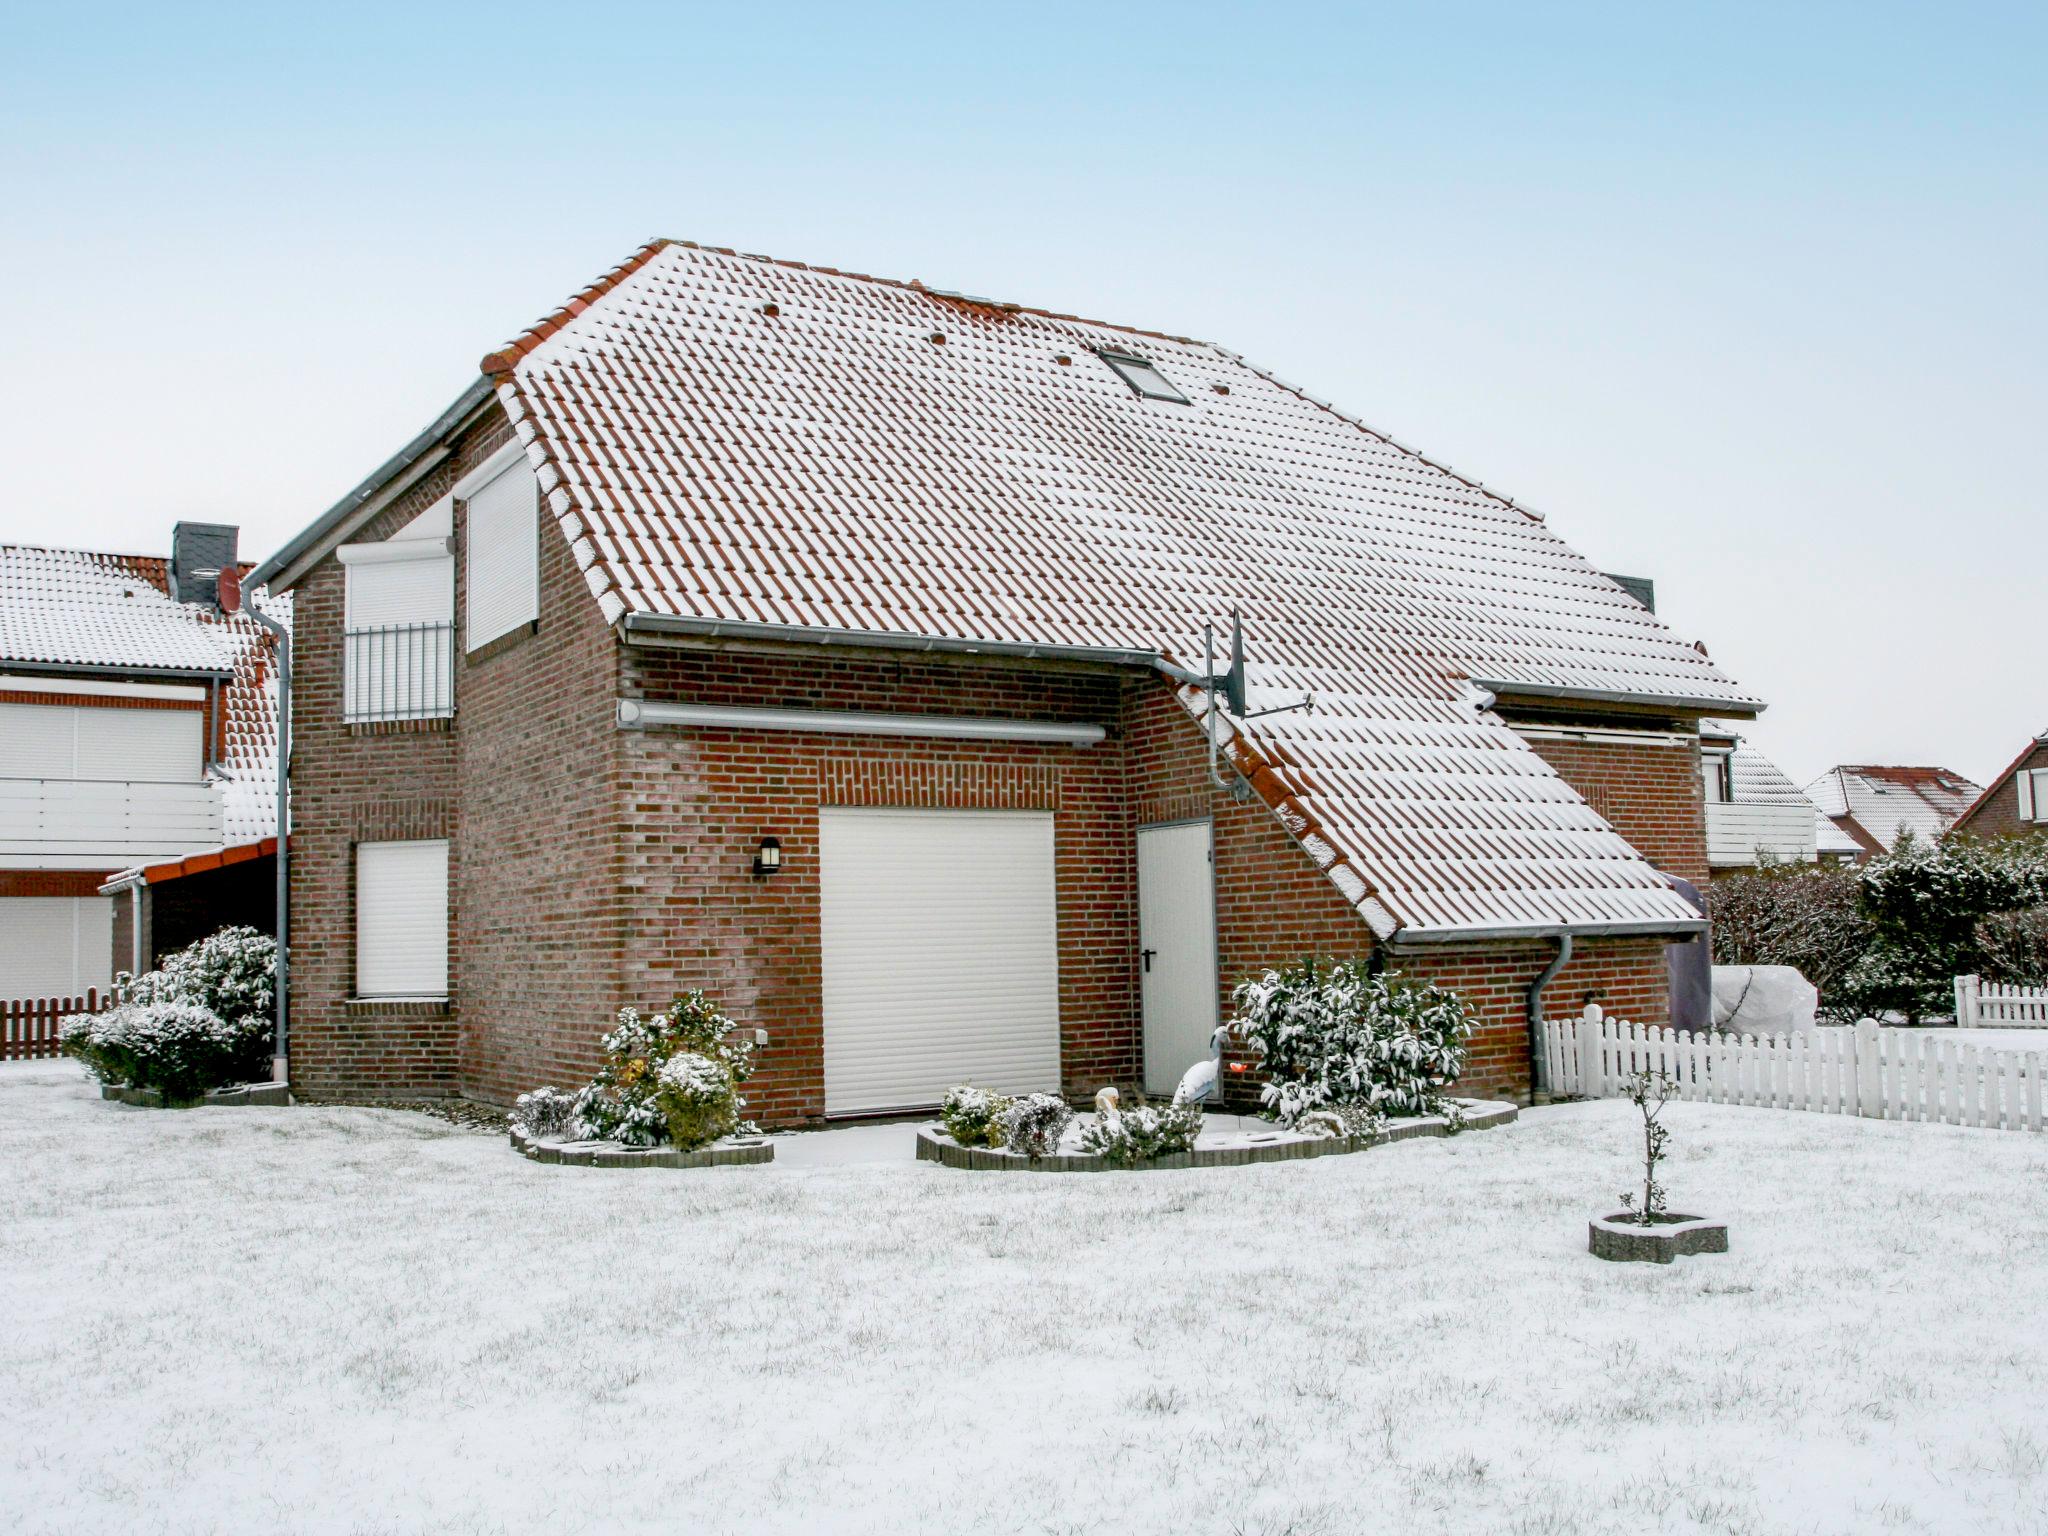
(55, 946)
(402, 919)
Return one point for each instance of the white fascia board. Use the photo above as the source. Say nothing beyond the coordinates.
(390, 550)
(644, 712)
(101, 688)
(489, 470)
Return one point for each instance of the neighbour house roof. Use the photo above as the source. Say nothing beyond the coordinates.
(1753, 777)
(1874, 803)
(733, 444)
(83, 611)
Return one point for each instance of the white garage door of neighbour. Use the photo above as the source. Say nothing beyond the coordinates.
(940, 948)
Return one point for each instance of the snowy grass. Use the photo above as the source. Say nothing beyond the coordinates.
(354, 1320)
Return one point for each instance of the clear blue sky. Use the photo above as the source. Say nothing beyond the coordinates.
(1750, 300)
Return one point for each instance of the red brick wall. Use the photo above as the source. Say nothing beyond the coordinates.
(1650, 794)
(696, 804)
(1998, 815)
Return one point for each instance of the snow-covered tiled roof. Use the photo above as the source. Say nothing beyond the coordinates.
(726, 438)
(88, 611)
(1883, 801)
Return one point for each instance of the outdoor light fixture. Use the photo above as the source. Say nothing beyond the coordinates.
(768, 857)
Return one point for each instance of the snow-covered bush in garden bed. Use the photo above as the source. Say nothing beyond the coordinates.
(180, 1050)
(202, 1020)
(1034, 1125)
(1343, 1034)
(636, 1099)
(974, 1116)
(548, 1114)
(1143, 1132)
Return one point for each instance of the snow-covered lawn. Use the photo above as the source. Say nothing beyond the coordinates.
(365, 1321)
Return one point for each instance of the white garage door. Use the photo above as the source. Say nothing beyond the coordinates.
(940, 955)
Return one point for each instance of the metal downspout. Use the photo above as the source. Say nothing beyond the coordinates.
(284, 758)
(1539, 1073)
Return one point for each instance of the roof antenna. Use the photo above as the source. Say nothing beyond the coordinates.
(1230, 686)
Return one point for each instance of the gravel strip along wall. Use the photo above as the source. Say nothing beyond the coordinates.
(608, 1154)
(935, 1146)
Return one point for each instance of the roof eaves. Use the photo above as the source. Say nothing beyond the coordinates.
(287, 565)
(1742, 708)
(1642, 928)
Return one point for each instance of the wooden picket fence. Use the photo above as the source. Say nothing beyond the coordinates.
(1994, 1007)
(28, 1026)
(1888, 1074)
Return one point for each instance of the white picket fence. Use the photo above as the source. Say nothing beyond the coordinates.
(1888, 1074)
(1994, 1007)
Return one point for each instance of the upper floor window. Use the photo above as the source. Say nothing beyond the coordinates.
(119, 745)
(399, 626)
(2033, 788)
(502, 541)
(1717, 778)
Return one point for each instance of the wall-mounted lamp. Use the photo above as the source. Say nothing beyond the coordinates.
(768, 857)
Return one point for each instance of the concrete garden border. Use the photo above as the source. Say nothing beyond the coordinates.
(609, 1154)
(266, 1095)
(1620, 1238)
(935, 1146)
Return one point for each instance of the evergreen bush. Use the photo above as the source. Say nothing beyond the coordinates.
(629, 1101)
(1035, 1124)
(1344, 1034)
(974, 1116)
(1143, 1132)
(202, 1020)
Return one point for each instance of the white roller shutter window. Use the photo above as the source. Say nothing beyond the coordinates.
(402, 919)
(504, 554)
(941, 955)
(404, 674)
(62, 741)
(55, 946)
(401, 592)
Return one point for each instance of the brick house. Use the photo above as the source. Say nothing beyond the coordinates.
(1871, 804)
(836, 645)
(2015, 803)
(137, 727)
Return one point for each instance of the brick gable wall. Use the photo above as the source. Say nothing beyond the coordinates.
(1998, 814)
(1651, 794)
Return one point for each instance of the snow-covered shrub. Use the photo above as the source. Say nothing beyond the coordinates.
(1336, 1121)
(1143, 1132)
(1342, 1034)
(974, 1116)
(2015, 947)
(201, 1020)
(623, 1102)
(1034, 1125)
(696, 1096)
(179, 1049)
(547, 1114)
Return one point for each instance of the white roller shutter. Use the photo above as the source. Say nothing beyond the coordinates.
(55, 946)
(402, 919)
(504, 553)
(401, 592)
(62, 741)
(941, 955)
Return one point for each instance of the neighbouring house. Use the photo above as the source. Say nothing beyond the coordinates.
(2016, 801)
(836, 645)
(137, 726)
(1871, 805)
(1755, 813)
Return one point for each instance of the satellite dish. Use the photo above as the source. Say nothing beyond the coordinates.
(228, 587)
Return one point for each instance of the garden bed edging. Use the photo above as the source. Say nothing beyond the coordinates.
(935, 1146)
(262, 1095)
(1625, 1241)
(610, 1154)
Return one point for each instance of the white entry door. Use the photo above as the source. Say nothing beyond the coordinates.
(1177, 949)
(940, 933)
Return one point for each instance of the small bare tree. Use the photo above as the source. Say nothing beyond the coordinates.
(1650, 1092)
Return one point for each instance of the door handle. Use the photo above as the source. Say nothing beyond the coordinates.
(1146, 955)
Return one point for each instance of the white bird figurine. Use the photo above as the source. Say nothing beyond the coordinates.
(1200, 1081)
(1106, 1110)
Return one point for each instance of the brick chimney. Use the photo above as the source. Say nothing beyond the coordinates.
(199, 552)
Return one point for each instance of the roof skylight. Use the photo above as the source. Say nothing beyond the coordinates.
(1143, 378)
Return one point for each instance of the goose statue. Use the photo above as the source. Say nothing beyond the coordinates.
(1105, 1109)
(1200, 1081)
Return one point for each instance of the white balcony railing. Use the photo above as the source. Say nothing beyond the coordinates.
(1738, 829)
(399, 672)
(103, 823)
